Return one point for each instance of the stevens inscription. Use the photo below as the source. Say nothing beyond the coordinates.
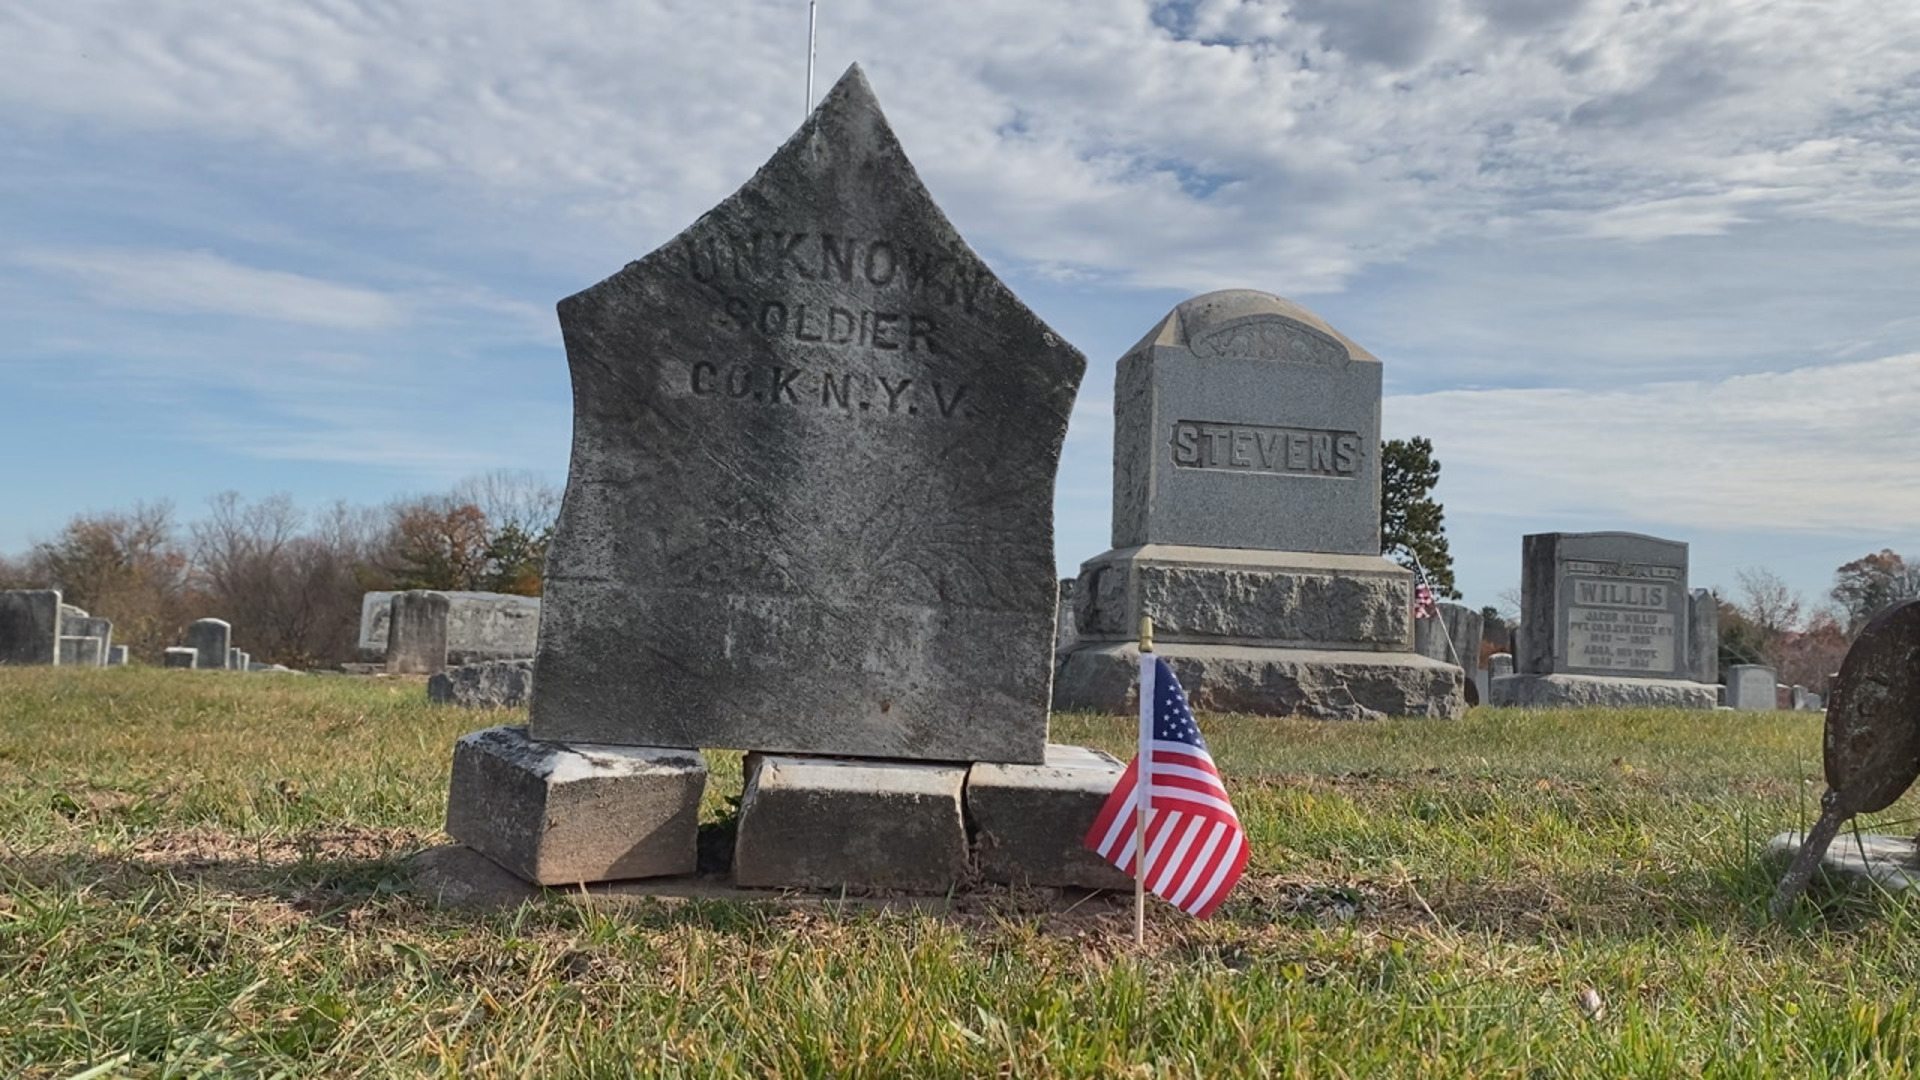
(1254, 448)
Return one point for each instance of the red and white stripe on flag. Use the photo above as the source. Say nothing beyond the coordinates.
(1196, 849)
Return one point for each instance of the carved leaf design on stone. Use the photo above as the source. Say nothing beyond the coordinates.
(1270, 337)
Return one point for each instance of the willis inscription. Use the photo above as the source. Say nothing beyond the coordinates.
(1622, 624)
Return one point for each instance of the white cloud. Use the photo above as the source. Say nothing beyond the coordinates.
(201, 282)
(1241, 142)
(1816, 450)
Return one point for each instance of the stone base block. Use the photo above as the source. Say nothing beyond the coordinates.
(562, 815)
(1586, 691)
(823, 823)
(1893, 862)
(1029, 820)
(495, 684)
(1233, 596)
(1323, 684)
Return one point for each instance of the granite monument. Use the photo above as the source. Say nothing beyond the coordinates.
(1246, 522)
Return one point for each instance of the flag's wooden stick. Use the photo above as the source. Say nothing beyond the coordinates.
(1143, 788)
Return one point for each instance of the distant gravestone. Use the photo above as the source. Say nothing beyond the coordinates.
(811, 502)
(1703, 642)
(1750, 687)
(1452, 636)
(180, 656)
(417, 633)
(82, 652)
(210, 639)
(480, 625)
(1246, 524)
(116, 656)
(30, 626)
(1605, 620)
(76, 623)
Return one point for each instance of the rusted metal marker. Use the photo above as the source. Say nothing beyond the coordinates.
(1872, 752)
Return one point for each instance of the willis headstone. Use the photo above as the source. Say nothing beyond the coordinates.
(1606, 620)
(809, 513)
(1246, 522)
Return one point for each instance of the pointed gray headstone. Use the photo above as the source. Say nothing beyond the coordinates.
(810, 504)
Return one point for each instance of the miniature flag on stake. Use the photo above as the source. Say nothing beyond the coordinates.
(1196, 849)
(1424, 605)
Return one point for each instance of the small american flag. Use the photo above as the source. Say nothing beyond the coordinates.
(1196, 849)
(1424, 605)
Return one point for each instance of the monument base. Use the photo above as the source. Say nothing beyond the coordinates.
(1325, 684)
(1029, 821)
(824, 823)
(1892, 862)
(1589, 691)
(564, 815)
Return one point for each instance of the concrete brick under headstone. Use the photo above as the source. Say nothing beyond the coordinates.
(1247, 524)
(180, 656)
(1029, 820)
(823, 823)
(417, 633)
(480, 625)
(565, 815)
(825, 477)
(210, 639)
(30, 626)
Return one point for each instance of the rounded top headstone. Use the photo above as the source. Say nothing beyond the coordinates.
(1255, 325)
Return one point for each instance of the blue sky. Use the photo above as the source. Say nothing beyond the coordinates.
(1635, 265)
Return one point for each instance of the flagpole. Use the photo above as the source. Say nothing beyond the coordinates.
(1143, 783)
(813, 24)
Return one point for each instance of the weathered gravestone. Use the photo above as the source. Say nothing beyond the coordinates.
(210, 639)
(1453, 635)
(1605, 621)
(480, 625)
(814, 444)
(417, 633)
(180, 656)
(1246, 522)
(1703, 642)
(30, 626)
(76, 623)
(1870, 756)
(81, 652)
(492, 684)
(1750, 687)
(809, 512)
(116, 656)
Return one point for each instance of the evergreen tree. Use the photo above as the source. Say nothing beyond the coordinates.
(1412, 525)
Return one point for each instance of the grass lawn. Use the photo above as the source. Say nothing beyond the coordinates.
(206, 875)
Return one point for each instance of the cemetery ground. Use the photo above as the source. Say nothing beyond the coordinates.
(209, 875)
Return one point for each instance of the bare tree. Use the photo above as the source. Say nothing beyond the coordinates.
(1771, 609)
(123, 566)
